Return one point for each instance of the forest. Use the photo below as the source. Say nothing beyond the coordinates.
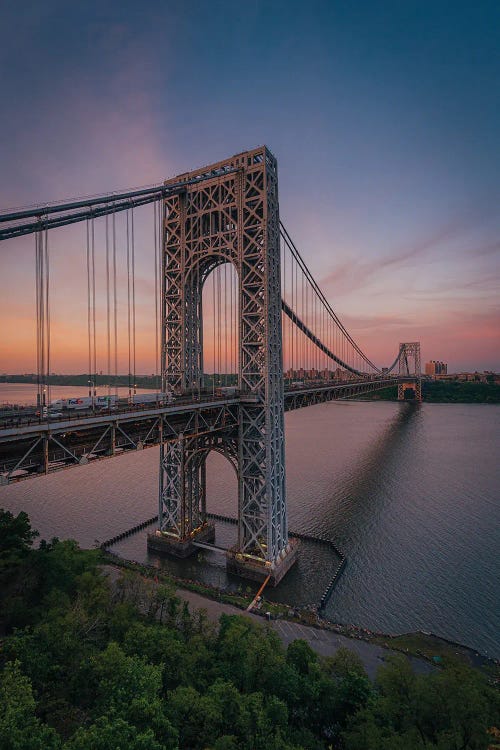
(91, 661)
(446, 392)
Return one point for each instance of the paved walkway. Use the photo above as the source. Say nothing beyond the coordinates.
(324, 642)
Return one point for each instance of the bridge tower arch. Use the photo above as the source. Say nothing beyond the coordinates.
(410, 371)
(230, 217)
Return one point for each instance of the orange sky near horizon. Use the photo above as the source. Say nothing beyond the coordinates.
(384, 123)
(465, 338)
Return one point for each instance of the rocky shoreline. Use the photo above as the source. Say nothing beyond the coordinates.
(425, 645)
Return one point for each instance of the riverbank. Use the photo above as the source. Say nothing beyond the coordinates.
(445, 392)
(325, 641)
(431, 648)
(423, 480)
(99, 381)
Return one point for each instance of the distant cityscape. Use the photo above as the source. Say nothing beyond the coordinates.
(439, 371)
(434, 369)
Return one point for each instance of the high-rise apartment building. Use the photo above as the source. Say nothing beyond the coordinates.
(434, 367)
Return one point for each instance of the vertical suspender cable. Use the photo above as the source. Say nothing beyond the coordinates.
(294, 307)
(308, 324)
(226, 369)
(317, 333)
(115, 308)
(108, 313)
(128, 307)
(42, 321)
(283, 317)
(231, 322)
(37, 299)
(161, 269)
(214, 328)
(219, 325)
(155, 232)
(89, 321)
(236, 297)
(304, 340)
(312, 328)
(94, 348)
(133, 299)
(47, 311)
(292, 327)
(312, 346)
(307, 341)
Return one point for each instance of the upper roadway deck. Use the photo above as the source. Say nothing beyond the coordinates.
(31, 446)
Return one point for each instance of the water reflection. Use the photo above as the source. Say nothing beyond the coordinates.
(410, 494)
(359, 495)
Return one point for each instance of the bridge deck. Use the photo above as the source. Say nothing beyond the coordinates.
(43, 446)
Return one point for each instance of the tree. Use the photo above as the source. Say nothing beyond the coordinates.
(113, 733)
(345, 662)
(249, 655)
(16, 540)
(301, 656)
(16, 537)
(19, 728)
(159, 645)
(446, 710)
(119, 679)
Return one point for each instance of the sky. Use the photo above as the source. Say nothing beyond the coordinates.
(384, 117)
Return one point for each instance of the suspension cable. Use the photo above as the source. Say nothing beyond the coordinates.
(155, 233)
(94, 348)
(108, 312)
(133, 300)
(115, 309)
(128, 308)
(214, 329)
(47, 310)
(89, 306)
(318, 291)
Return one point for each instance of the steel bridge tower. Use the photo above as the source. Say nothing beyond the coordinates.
(232, 217)
(410, 369)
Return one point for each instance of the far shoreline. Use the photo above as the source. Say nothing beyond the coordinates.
(433, 391)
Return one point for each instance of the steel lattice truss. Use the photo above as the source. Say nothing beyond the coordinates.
(48, 446)
(225, 213)
(232, 218)
(410, 369)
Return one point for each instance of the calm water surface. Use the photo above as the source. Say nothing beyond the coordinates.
(24, 394)
(410, 494)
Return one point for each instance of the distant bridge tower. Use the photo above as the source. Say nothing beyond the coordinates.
(410, 370)
(230, 218)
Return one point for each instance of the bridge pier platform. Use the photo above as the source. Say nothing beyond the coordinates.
(254, 569)
(181, 548)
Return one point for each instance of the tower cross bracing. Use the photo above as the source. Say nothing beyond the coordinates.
(203, 220)
(232, 218)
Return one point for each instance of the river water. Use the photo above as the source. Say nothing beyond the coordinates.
(410, 494)
(24, 394)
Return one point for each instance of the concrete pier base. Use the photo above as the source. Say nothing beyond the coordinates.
(258, 570)
(171, 545)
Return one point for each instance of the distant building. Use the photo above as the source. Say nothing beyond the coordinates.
(434, 367)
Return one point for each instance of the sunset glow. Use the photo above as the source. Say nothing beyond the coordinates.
(388, 166)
